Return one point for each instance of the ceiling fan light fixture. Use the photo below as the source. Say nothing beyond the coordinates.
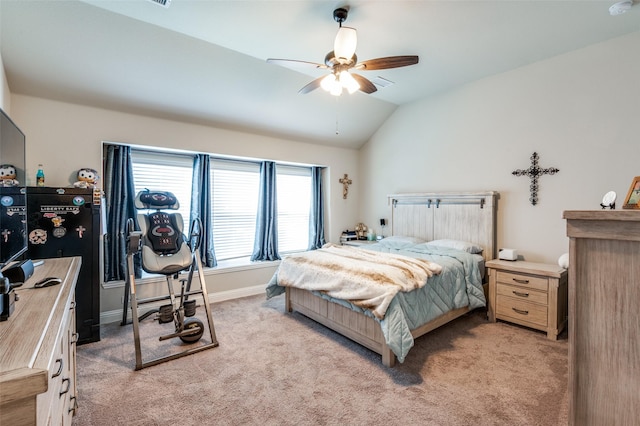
(348, 82)
(343, 58)
(331, 84)
(328, 82)
(345, 43)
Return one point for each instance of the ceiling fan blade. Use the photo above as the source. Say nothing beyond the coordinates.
(366, 86)
(386, 63)
(292, 63)
(311, 86)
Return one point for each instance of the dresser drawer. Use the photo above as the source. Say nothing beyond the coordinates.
(516, 309)
(538, 283)
(524, 294)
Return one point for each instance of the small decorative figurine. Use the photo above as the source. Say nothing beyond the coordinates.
(8, 175)
(609, 200)
(87, 178)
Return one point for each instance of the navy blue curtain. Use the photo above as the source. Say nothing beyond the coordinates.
(120, 206)
(201, 207)
(316, 218)
(265, 246)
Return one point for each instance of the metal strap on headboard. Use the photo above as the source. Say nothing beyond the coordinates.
(438, 201)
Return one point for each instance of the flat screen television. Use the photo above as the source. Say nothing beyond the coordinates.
(13, 224)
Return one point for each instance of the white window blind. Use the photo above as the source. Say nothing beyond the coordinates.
(161, 171)
(234, 194)
(294, 204)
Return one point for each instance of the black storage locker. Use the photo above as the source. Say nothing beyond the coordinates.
(64, 222)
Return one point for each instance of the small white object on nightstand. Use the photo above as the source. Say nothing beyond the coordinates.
(508, 254)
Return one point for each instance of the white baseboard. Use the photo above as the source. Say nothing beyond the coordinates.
(220, 296)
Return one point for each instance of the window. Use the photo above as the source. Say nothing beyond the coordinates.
(162, 171)
(294, 205)
(234, 194)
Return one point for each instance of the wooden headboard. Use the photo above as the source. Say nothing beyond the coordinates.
(467, 216)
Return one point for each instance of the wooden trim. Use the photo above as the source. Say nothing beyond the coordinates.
(21, 383)
(532, 268)
(353, 325)
(439, 321)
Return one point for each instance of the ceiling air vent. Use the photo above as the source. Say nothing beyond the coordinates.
(381, 82)
(163, 3)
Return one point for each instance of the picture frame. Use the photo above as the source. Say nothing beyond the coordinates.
(632, 200)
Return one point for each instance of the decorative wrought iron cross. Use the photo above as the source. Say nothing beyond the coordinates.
(534, 172)
(345, 181)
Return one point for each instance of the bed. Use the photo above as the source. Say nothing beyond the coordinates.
(428, 226)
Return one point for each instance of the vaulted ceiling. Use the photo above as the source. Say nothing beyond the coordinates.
(204, 61)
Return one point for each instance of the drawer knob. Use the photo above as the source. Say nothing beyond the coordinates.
(520, 311)
(74, 338)
(68, 381)
(521, 294)
(60, 363)
(74, 405)
(520, 281)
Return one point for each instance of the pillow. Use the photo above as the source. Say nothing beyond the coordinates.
(456, 244)
(399, 242)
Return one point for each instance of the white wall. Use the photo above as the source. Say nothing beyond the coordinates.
(4, 90)
(65, 137)
(579, 111)
(4, 86)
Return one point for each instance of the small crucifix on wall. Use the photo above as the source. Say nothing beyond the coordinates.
(345, 181)
(534, 172)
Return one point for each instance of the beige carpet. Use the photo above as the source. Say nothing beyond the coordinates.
(273, 368)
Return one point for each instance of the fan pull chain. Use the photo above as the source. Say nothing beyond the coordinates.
(337, 115)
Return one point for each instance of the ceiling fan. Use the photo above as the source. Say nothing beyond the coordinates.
(342, 59)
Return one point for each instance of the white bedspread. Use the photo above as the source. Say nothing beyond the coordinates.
(365, 278)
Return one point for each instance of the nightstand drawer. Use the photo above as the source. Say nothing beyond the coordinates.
(521, 310)
(524, 294)
(538, 283)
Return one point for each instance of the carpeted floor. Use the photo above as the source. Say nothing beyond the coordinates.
(273, 368)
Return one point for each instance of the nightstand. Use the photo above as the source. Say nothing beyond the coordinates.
(529, 294)
(358, 243)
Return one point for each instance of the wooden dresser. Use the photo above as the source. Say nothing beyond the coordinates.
(37, 350)
(528, 293)
(604, 317)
